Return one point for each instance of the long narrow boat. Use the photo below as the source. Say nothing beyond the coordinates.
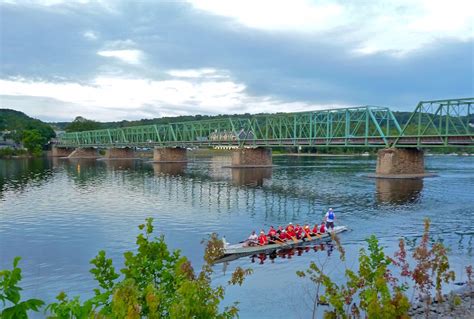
(235, 251)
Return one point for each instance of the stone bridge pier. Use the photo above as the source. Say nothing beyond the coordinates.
(113, 152)
(61, 151)
(251, 157)
(400, 163)
(170, 155)
(84, 152)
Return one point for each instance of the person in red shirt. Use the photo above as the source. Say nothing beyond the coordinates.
(290, 227)
(298, 231)
(306, 231)
(291, 233)
(283, 235)
(280, 229)
(322, 230)
(272, 232)
(315, 229)
(262, 239)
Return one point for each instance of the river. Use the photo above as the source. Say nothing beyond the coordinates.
(57, 214)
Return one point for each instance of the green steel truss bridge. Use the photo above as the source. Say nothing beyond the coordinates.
(440, 123)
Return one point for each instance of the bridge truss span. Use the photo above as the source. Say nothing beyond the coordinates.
(434, 123)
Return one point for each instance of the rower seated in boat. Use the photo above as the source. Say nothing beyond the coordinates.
(322, 229)
(272, 234)
(283, 236)
(252, 240)
(315, 229)
(262, 239)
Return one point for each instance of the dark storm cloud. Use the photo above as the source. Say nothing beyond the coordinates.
(49, 42)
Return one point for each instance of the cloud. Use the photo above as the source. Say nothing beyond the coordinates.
(131, 56)
(90, 35)
(191, 73)
(170, 97)
(394, 26)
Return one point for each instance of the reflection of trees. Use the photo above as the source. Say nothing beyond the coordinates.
(17, 174)
(84, 171)
(398, 191)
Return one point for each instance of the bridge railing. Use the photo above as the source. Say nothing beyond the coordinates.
(351, 127)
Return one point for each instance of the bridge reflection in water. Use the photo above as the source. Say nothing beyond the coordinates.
(398, 191)
(171, 169)
(250, 176)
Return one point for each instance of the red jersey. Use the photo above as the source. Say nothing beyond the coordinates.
(291, 233)
(262, 239)
(284, 236)
(315, 229)
(272, 232)
(322, 229)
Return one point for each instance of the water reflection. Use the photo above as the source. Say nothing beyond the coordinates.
(84, 171)
(326, 247)
(19, 173)
(120, 164)
(171, 169)
(398, 191)
(250, 176)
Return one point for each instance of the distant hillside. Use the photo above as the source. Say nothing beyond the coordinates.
(81, 124)
(14, 123)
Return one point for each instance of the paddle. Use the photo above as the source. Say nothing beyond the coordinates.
(279, 242)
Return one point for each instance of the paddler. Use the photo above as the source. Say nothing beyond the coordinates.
(253, 239)
(283, 236)
(262, 239)
(322, 229)
(272, 234)
(298, 231)
(291, 233)
(307, 231)
(315, 229)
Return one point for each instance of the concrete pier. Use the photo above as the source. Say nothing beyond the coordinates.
(87, 152)
(400, 163)
(61, 151)
(169, 155)
(112, 153)
(252, 157)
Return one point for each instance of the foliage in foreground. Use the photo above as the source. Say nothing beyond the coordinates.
(155, 283)
(373, 291)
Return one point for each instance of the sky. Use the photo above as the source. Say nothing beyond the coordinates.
(115, 60)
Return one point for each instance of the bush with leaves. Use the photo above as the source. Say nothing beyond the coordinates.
(155, 283)
(373, 290)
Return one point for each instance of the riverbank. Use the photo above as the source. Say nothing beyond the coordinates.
(459, 304)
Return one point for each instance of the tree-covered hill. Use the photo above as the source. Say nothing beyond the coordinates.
(33, 134)
(17, 122)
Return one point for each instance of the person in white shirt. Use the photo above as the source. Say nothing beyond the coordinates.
(253, 239)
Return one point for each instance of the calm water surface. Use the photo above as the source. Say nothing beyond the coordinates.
(57, 214)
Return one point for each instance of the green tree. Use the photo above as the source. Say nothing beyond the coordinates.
(33, 141)
(155, 283)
